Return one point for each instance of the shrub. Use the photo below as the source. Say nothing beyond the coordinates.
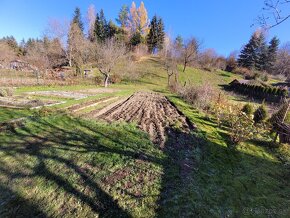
(115, 78)
(4, 92)
(241, 127)
(264, 77)
(99, 80)
(248, 109)
(260, 114)
(199, 96)
(285, 93)
(242, 71)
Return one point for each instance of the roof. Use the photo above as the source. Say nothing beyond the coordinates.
(240, 81)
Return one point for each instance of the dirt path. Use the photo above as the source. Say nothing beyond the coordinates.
(152, 112)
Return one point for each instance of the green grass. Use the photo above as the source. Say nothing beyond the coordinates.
(64, 166)
(197, 77)
(230, 182)
(7, 114)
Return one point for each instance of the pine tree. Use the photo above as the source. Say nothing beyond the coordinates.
(111, 29)
(160, 34)
(249, 56)
(152, 37)
(262, 54)
(272, 53)
(123, 16)
(179, 41)
(136, 39)
(78, 19)
(101, 26)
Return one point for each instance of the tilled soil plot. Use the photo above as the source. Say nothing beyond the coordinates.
(153, 113)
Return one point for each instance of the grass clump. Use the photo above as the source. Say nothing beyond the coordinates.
(260, 114)
(248, 109)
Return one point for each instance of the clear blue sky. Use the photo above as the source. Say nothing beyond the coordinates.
(222, 24)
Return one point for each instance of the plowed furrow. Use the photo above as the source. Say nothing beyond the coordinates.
(152, 112)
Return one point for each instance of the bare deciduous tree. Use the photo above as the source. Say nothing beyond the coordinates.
(55, 53)
(75, 46)
(108, 55)
(57, 29)
(282, 64)
(190, 52)
(172, 54)
(274, 13)
(7, 54)
(91, 18)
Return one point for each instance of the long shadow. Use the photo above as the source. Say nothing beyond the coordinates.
(12, 205)
(103, 204)
(205, 179)
(185, 182)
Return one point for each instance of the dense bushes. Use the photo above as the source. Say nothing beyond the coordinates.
(199, 96)
(258, 91)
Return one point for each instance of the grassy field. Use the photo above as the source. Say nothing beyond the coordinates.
(9, 114)
(197, 77)
(61, 165)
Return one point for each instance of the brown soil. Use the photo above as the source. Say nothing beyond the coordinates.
(152, 112)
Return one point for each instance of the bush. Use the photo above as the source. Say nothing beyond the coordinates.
(99, 80)
(242, 71)
(260, 114)
(241, 127)
(4, 92)
(248, 109)
(264, 77)
(115, 78)
(199, 96)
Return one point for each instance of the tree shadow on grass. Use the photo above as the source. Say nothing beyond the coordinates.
(35, 146)
(13, 205)
(197, 179)
(205, 179)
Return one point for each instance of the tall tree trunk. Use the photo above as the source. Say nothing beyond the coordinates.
(106, 80)
(176, 77)
(184, 66)
(168, 80)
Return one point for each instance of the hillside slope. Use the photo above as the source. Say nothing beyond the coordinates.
(66, 162)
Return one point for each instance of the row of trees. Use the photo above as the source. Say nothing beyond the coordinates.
(97, 42)
(263, 92)
(134, 27)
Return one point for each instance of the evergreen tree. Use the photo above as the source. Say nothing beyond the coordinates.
(249, 56)
(123, 16)
(111, 29)
(262, 53)
(136, 39)
(78, 19)
(179, 41)
(101, 26)
(156, 35)
(272, 53)
(152, 37)
(160, 34)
